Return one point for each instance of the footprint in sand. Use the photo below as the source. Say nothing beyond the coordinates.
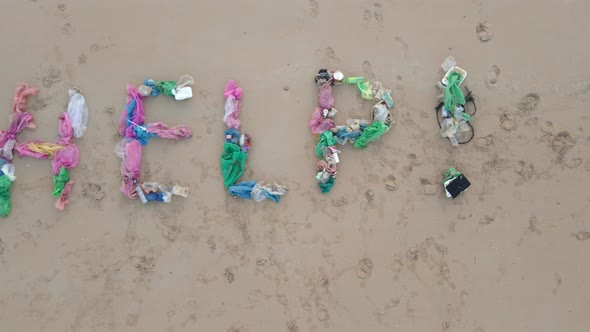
(378, 12)
(82, 58)
(397, 265)
(493, 75)
(292, 326)
(526, 169)
(507, 122)
(390, 182)
(67, 29)
(367, 17)
(322, 313)
(331, 54)
(483, 32)
(314, 8)
(573, 162)
(53, 76)
(2, 247)
(583, 236)
(562, 143)
(368, 69)
(529, 102)
(365, 268)
(338, 202)
(427, 188)
(484, 143)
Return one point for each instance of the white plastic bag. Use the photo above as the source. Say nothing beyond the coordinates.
(7, 149)
(78, 112)
(8, 170)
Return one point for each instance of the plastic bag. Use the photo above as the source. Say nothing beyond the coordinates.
(242, 189)
(318, 123)
(5, 205)
(371, 133)
(59, 181)
(66, 130)
(326, 100)
(326, 139)
(8, 170)
(233, 161)
(67, 157)
(130, 167)
(63, 199)
(78, 112)
(7, 149)
(232, 111)
(164, 131)
(270, 190)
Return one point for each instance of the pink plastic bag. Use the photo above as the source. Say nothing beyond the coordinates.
(131, 167)
(67, 157)
(23, 150)
(66, 132)
(326, 100)
(134, 101)
(233, 104)
(318, 124)
(165, 131)
(64, 198)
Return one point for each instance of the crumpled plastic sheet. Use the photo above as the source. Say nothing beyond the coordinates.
(318, 123)
(134, 112)
(158, 193)
(164, 131)
(78, 112)
(258, 191)
(326, 100)
(233, 104)
(130, 153)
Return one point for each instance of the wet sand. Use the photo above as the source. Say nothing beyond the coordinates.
(510, 254)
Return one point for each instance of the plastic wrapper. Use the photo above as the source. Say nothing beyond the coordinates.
(318, 123)
(78, 112)
(326, 100)
(130, 167)
(233, 105)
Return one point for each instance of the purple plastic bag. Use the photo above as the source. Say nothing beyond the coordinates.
(233, 104)
(67, 157)
(326, 100)
(131, 167)
(162, 130)
(318, 124)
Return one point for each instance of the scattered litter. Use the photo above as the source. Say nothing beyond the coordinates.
(453, 116)
(136, 134)
(359, 132)
(235, 152)
(455, 183)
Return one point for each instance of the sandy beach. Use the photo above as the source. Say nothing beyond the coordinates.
(509, 254)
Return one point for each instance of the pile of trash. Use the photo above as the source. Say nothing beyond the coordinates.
(64, 154)
(136, 134)
(356, 131)
(235, 152)
(454, 120)
(455, 183)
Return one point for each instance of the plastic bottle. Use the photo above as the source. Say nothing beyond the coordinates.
(139, 192)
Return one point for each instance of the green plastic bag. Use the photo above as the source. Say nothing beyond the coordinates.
(326, 187)
(5, 206)
(354, 80)
(450, 174)
(453, 93)
(59, 181)
(366, 91)
(327, 138)
(371, 133)
(166, 87)
(233, 162)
